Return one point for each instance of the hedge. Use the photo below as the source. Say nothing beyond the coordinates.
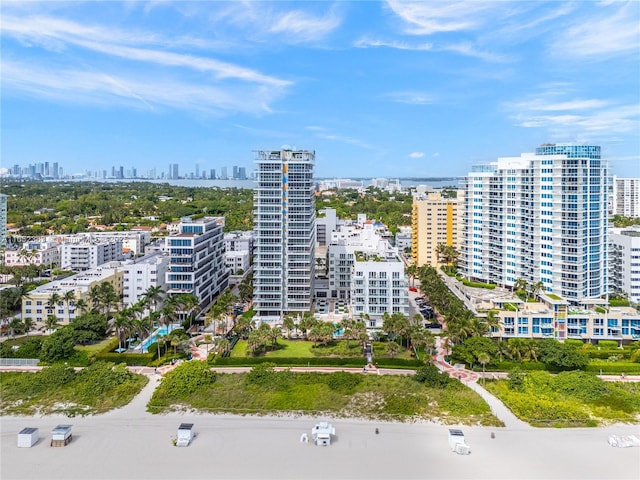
(607, 344)
(605, 354)
(137, 359)
(315, 361)
(507, 366)
(468, 283)
(614, 368)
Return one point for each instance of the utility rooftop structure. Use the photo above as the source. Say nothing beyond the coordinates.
(284, 225)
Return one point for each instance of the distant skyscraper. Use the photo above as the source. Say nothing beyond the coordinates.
(197, 170)
(173, 171)
(627, 197)
(223, 173)
(212, 174)
(284, 225)
(540, 217)
(55, 173)
(235, 172)
(242, 173)
(3, 219)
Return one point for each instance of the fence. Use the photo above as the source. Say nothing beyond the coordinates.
(19, 362)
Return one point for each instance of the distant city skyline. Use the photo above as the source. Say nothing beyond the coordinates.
(393, 89)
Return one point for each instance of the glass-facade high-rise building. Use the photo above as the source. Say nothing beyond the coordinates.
(284, 225)
(541, 217)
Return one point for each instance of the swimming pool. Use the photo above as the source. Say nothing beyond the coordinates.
(163, 330)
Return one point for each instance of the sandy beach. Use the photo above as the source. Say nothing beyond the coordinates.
(131, 444)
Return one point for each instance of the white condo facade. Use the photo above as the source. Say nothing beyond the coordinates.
(541, 217)
(143, 273)
(90, 253)
(626, 193)
(624, 267)
(3, 219)
(285, 237)
(196, 259)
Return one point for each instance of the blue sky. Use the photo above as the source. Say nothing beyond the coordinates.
(392, 89)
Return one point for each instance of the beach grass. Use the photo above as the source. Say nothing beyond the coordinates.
(341, 394)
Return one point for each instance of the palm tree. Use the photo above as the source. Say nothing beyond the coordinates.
(28, 324)
(51, 321)
(536, 288)
(289, 323)
(52, 302)
(122, 324)
(153, 295)
(68, 297)
(81, 305)
(392, 349)
(483, 358)
(412, 271)
(520, 285)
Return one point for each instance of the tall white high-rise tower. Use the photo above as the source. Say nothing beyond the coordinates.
(541, 217)
(284, 224)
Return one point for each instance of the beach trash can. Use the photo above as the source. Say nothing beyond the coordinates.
(61, 436)
(28, 437)
(185, 434)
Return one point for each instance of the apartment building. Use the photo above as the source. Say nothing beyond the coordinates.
(555, 317)
(624, 267)
(35, 304)
(89, 253)
(285, 236)
(33, 253)
(239, 241)
(366, 271)
(434, 220)
(196, 259)
(541, 217)
(143, 273)
(626, 199)
(3, 219)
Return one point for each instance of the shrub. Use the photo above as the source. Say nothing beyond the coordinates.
(56, 375)
(582, 385)
(30, 348)
(343, 382)
(574, 342)
(607, 344)
(516, 380)
(187, 379)
(58, 346)
(100, 377)
(314, 361)
(138, 359)
(431, 376)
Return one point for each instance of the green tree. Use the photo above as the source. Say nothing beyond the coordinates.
(58, 346)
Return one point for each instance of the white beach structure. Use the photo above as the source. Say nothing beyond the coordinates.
(321, 433)
(28, 437)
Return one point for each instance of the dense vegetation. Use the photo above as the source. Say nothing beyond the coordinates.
(125, 204)
(265, 390)
(568, 399)
(59, 389)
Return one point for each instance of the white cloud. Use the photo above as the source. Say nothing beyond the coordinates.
(609, 30)
(416, 155)
(427, 18)
(413, 98)
(366, 42)
(573, 118)
(326, 134)
(109, 89)
(54, 32)
(304, 27)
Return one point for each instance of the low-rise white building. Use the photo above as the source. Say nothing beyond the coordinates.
(140, 275)
(624, 267)
(366, 270)
(236, 261)
(33, 253)
(238, 241)
(87, 254)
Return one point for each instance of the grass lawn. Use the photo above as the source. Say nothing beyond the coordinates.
(306, 349)
(95, 348)
(341, 394)
(569, 399)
